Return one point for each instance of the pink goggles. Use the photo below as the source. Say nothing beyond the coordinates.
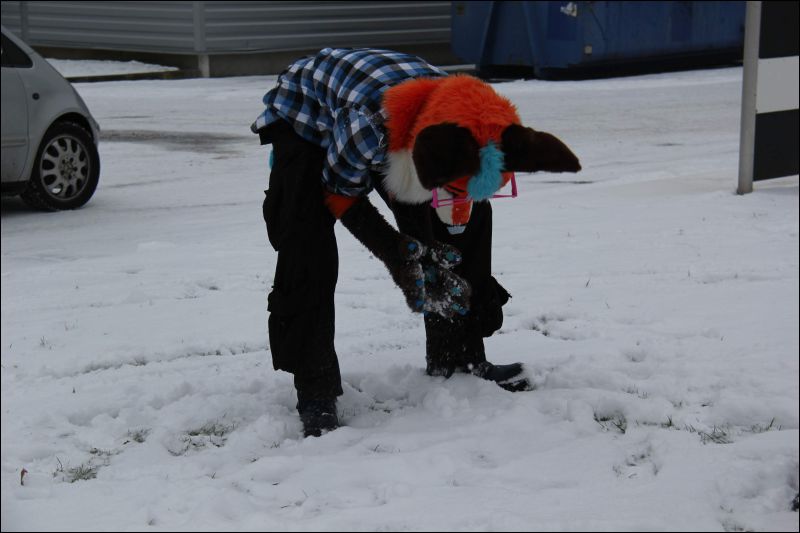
(436, 203)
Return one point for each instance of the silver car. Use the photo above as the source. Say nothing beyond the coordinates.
(49, 138)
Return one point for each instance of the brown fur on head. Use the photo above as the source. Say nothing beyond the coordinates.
(445, 152)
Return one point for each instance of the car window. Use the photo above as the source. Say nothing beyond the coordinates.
(13, 56)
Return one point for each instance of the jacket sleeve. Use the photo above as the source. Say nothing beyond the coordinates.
(355, 146)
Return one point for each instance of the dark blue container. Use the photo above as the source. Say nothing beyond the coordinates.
(572, 39)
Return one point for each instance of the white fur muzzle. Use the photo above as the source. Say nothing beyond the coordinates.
(402, 181)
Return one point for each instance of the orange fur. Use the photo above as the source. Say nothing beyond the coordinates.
(459, 99)
(338, 204)
(403, 104)
(461, 213)
(458, 187)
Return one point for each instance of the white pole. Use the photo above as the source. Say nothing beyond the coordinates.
(747, 136)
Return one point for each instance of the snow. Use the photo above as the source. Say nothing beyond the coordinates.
(73, 68)
(655, 310)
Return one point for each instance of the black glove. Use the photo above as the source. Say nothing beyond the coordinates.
(446, 293)
(422, 272)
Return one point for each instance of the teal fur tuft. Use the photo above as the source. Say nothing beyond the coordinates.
(489, 179)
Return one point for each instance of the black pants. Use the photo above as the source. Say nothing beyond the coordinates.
(301, 304)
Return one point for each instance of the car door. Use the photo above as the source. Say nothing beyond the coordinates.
(14, 112)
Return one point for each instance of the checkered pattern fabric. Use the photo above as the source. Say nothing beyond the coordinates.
(333, 99)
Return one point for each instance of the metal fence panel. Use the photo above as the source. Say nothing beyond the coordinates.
(226, 26)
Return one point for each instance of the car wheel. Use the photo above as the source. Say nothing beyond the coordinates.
(66, 169)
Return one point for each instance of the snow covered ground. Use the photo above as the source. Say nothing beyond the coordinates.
(90, 67)
(656, 311)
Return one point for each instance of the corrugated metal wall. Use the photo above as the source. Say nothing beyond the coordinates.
(136, 26)
(298, 25)
(227, 26)
(11, 16)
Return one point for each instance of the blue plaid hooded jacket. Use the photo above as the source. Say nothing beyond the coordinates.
(333, 99)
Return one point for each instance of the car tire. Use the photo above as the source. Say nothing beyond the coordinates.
(66, 170)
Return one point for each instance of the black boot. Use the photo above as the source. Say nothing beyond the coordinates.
(510, 377)
(318, 415)
(456, 345)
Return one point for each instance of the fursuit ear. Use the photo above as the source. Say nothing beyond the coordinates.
(528, 150)
(443, 153)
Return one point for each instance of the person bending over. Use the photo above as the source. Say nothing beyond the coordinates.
(435, 147)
